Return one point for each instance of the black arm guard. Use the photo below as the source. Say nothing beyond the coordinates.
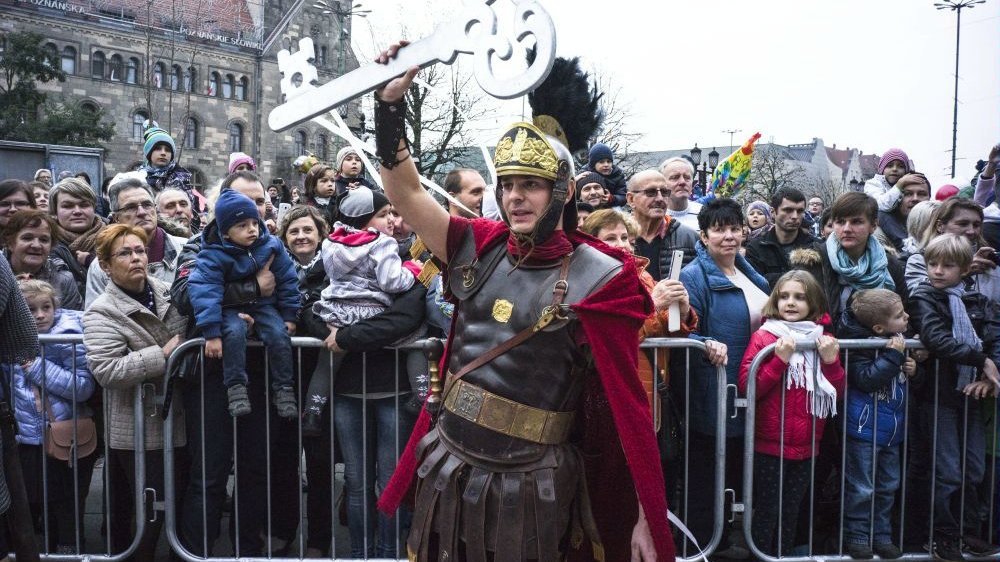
(390, 128)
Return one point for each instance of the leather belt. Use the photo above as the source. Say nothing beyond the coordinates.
(506, 416)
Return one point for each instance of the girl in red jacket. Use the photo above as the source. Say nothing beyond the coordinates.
(803, 387)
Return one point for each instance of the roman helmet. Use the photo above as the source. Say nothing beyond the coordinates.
(566, 113)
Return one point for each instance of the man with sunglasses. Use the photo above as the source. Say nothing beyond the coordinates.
(659, 233)
(132, 204)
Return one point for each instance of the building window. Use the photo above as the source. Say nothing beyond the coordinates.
(213, 84)
(190, 78)
(197, 178)
(322, 56)
(300, 142)
(227, 86)
(97, 65)
(132, 71)
(51, 54)
(176, 77)
(235, 137)
(241, 88)
(69, 60)
(190, 133)
(138, 118)
(321, 147)
(158, 71)
(117, 68)
(89, 107)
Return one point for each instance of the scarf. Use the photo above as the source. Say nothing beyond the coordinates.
(144, 297)
(804, 369)
(871, 271)
(156, 175)
(557, 246)
(84, 241)
(156, 247)
(963, 332)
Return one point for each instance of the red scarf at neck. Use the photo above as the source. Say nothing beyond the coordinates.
(557, 246)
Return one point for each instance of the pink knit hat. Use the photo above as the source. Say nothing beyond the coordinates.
(894, 154)
(237, 158)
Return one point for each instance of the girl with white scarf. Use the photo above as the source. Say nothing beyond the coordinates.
(802, 386)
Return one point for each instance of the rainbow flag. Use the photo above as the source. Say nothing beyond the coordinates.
(730, 175)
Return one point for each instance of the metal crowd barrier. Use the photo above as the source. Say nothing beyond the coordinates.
(81, 551)
(834, 548)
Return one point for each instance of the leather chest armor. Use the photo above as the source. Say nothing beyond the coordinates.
(544, 372)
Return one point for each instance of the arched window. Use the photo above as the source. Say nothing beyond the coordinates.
(159, 69)
(227, 86)
(300, 143)
(235, 137)
(190, 133)
(242, 85)
(132, 71)
(321, 147)
(97, 65)
(69, 60)
(190, 79)
(138, 118)
(213, 84)
(117, 68)
(51, 54)
(176, 77)
(89, 107)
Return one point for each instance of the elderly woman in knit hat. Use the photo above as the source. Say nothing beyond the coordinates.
(162, 169)
(759, 219)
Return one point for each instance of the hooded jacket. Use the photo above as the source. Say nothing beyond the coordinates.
(63, 368)
(220, 262)
(876, 397)
(363, 265)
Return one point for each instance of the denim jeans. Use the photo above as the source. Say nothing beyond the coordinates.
(270, 328)
(372, 433)
(949, 484)
(860, 490)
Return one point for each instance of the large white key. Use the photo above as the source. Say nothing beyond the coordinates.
(474, 32)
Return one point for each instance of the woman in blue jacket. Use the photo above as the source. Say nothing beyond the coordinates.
(728, 295)
(53, 387)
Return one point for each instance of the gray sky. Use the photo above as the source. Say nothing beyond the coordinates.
(860, 73)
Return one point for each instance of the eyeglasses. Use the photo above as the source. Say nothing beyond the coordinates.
(131, 208)
(19, 204)
(127, 253)
(653, 192)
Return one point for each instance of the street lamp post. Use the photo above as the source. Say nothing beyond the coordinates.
(956, 6)
(704, 168)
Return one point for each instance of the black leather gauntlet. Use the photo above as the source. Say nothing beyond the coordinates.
(390, 128)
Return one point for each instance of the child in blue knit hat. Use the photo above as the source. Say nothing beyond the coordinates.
(602, 161)
(162, 169)
(235, 246)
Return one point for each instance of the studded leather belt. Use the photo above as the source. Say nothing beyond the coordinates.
(506, 416)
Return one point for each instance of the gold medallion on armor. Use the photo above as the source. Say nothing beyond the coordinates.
(502, 310)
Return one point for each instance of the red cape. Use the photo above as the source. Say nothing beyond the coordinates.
(620, 462)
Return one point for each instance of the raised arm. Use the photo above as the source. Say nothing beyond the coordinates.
(399, 174)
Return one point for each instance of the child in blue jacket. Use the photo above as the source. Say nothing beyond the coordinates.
(235, 246)
(876, 424)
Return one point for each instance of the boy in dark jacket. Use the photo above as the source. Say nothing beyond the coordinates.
(961, 330)
(350, 171)
(235, 246)
(602, 161)
(876, 422)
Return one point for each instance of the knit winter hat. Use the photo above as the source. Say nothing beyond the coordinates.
(358, 206)
(762, 207)
(599, 152)
(237, 158)
(589, 178)
(154, 135)
(231, 208)
(342, 154)
(894, 154)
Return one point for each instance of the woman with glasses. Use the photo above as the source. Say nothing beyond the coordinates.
(130, 331)
(27, 237)
(14, 196)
